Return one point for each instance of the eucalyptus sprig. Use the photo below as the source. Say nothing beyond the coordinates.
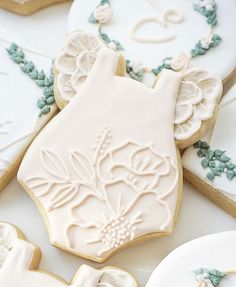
(39, 77)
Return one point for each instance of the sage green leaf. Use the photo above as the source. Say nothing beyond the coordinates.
(224, 158)
(204, 163)
(210, 175)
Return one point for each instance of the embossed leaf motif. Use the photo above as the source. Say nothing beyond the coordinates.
(54, 164)
(82, 167)
(65, 193)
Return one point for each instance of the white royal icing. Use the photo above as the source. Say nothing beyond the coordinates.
(187, 34)
(221, 136)
(198, 94)
(103, 180)
(19, 114)
(215, 251)
(16, 256)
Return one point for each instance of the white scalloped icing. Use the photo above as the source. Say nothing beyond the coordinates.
(75, 62)
(198, 98)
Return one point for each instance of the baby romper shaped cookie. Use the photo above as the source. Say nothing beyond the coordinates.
(210, 165)
(27, 100)
(208, 261)
(27, 7)
(106, 170)
(19, 262)
(197, 99)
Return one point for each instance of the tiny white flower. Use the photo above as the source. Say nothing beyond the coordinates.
(102, 13)
(207, 282)
(168, 62)
(112, 45)
(137, 66)
(209, 7)
(179, 62)
(205, 43)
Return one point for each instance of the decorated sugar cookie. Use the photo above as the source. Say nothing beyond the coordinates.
(205, 262)
(107, 165)
(19, 262)
(210, 165)
(197, 98)
(151, 34)
(27, 100)
(26, 7)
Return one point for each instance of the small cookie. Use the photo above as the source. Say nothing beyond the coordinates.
(198, 95)
(208, 261)
(27, 100)
(112, 166)
(210, 165)
(27, 7)
(19, 263)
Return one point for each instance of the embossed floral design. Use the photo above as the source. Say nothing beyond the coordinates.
(75, 62)
(209, 278)
(127, 184)
(197, 98)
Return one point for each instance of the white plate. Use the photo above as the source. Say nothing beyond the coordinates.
(198, 216)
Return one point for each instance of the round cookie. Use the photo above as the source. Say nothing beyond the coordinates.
(19, 262)
(193, 27)
(197, 99)
(210, 165)
(27, 100)
(112, 166)
(205, 262)
(27, 7)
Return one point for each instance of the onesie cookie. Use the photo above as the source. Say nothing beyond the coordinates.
(19, 263)
(208, 261)
(107, 173)
(27, 7)
(210, 165)
(197, 99)
(27, 100)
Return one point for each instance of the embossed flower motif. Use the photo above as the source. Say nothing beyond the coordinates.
(127, 184)
(102, 13)
(75, 62)
(134, 181)
(198, 94)
(179, 62)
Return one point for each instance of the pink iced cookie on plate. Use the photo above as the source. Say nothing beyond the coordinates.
(19, 262)
(208, 261)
